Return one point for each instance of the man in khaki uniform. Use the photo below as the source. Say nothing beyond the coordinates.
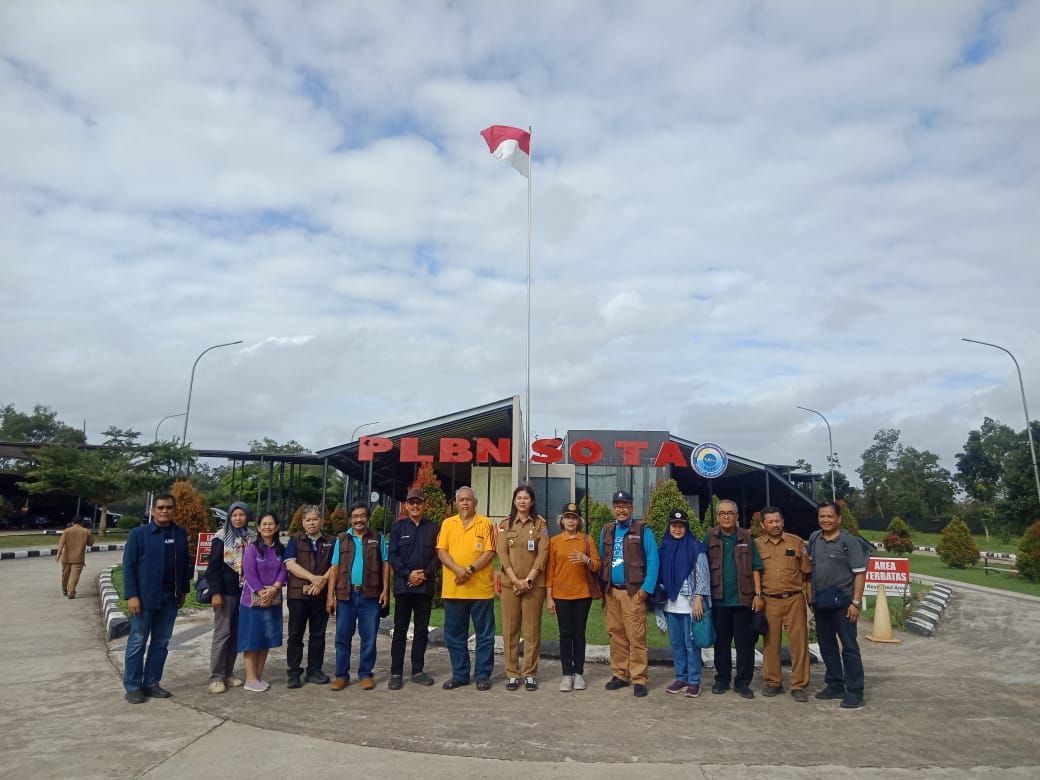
(72, 554)
(786, 583)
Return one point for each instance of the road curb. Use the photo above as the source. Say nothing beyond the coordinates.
(50, 552)
(116, 622)
(927, 613)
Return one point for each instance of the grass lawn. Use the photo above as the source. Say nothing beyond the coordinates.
(24, 541)
(932, 566)
(923, 539)
(117, 582)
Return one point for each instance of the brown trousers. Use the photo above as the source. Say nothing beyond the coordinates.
(626, 625)
(522, 611)
(70, 577)
(789, 613)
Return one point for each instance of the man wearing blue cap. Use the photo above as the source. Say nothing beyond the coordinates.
(628, 550)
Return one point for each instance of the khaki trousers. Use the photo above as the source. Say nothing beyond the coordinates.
(626, 625)
(524, 612)
(70, 577)
(789, 612)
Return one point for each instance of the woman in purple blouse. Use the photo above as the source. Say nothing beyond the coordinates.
(260, 618)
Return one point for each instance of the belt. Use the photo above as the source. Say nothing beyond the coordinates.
(785, 595)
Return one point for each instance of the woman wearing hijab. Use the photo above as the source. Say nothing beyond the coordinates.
(687, 582)
(224, 576)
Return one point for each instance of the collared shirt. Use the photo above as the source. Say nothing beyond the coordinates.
(466, 545)
(730, 584)
(617, 562)
(413, 547)
(836, 563)
(290, 548)
(357, 566)
(786, 563)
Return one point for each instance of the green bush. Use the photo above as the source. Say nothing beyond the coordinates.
(380, 519)
(664, 500)
(596, 516)
(848, 519)
(1028, 559)
(129, 522)
(898, 539)
(957, 547)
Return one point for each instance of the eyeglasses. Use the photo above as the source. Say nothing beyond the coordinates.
(415, 501)
(727, 513)
(164, 507)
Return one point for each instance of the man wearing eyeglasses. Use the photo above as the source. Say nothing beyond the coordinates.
(736, 591)
(413, 558)
(156, 573)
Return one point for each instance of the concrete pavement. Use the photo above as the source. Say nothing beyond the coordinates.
(964, 703)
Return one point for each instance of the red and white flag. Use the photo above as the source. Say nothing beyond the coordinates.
(510, 143)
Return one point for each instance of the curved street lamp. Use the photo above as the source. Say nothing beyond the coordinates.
(191, 384)
(363, 425)
(830, 443)
(1022, 389)
(164, 419)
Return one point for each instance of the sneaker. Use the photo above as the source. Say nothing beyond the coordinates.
(255, 687)
(264, 683)
(772, 690)
(217, 686)
(616, 683)
(719, 687)
(851, 702)
(579, 682)
(799, 694)
(367, 683)
(745, 692)
(135, 697)
(675, 687)
(693, 691)
(530, 684)
(567, 683)
(318, 678)
(396, 682)
(639, 690)
(422, 678)
(294, 682)
(831, 692)
(233, 682)
(512, 683)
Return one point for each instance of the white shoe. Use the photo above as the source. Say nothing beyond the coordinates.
(233, 682)
(579, 683)
(217, 686)
(567, 683)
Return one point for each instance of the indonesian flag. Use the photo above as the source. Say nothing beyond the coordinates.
(510, 143)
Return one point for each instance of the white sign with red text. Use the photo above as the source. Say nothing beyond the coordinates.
(893, 573)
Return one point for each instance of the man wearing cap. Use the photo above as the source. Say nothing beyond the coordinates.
(785, 579)
(736, 590)
(413, 558)
(628, 550)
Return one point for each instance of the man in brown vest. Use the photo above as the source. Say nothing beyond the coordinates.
(785, 579)
(736, 590)
(72, 555)
(359, 586)
(308, 557)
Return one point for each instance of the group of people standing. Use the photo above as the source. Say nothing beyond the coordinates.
(704, 594)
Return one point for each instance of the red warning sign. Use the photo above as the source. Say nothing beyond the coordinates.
(893, 573)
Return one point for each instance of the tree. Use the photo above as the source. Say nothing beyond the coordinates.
(40, 427)
(1028, 558)
(901, 480)
(429, 483)
(337, 522)
(898, 539)
(995, 470)
(665, 499)
(192, 513)
(596, 516)
(957, 547)
(876, 468)
(848, 519)
(1020, 503)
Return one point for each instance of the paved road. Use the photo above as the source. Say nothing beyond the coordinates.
(963, 703)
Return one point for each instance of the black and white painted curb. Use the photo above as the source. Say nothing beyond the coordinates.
(926, 615)
(10, 555)
(116, 622)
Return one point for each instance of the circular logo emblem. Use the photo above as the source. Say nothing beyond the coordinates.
(709, 460)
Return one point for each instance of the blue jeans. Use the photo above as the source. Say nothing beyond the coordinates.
(139, 673)
(359, 614)
(686, 656)
(457, 615)
(844, 668)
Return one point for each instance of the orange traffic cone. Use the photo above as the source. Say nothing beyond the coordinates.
(882, 620)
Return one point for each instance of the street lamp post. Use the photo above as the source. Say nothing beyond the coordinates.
(830, 444)
(371, 463)
(191, 384)
(363, 425)
(1025, 408)
(164, 419)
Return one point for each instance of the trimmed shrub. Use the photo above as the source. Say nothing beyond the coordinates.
(756, 525)
(1028, 560)
(848, 519)
(338, 521)
(957, 547)
(429, 483)
(664, 500)
(192, 513)
(898, 539)
(596, 516)
(380, 520)
(129, 522)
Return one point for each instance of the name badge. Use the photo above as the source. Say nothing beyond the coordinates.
(480, 546)
(530, 545)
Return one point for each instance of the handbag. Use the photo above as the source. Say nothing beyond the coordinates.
(704, 630)
(254, 599)
(595, 586)
(759, 623)
(831, 597)
(203, 594)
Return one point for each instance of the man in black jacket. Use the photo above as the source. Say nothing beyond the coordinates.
(413, 558)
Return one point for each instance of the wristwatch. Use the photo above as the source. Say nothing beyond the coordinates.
(758, 595)
(856, 603)
(470, 569)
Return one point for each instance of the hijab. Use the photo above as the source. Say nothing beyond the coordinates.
(236, 539)
(678, 557)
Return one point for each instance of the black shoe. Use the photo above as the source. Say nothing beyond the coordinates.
(318, 678)
(512, 683)
(639, 691)
(157, 692)
(483, 685)
(745, 692)
(851, 702)
(396, 682)
(530, 684)
(831, 692)
(422, 678)
(799, 694)
(719, 687)
(452, 684)
(135, 697)
(616, 683)
(294, 682)
(772, 690)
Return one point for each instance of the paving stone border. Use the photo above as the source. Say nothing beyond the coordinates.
(49, 552)
(927, 613)
(116, 622)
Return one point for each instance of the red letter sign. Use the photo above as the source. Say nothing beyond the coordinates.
(670, 454)
(548, 451)
(500, 452)
(410, 451)
(586, 452)
(370, 445)
(455, 451)
(631, 450)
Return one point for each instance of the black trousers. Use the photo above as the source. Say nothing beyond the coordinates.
(572, 615)
(304, 613)
(733, 626)
(407, 605)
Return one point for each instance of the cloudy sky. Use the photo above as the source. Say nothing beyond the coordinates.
(739, 208)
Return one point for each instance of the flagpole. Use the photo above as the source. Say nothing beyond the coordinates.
(527, 434)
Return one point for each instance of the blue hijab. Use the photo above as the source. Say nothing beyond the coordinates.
(678, 557)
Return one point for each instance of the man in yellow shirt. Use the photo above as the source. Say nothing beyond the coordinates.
(466, 545)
